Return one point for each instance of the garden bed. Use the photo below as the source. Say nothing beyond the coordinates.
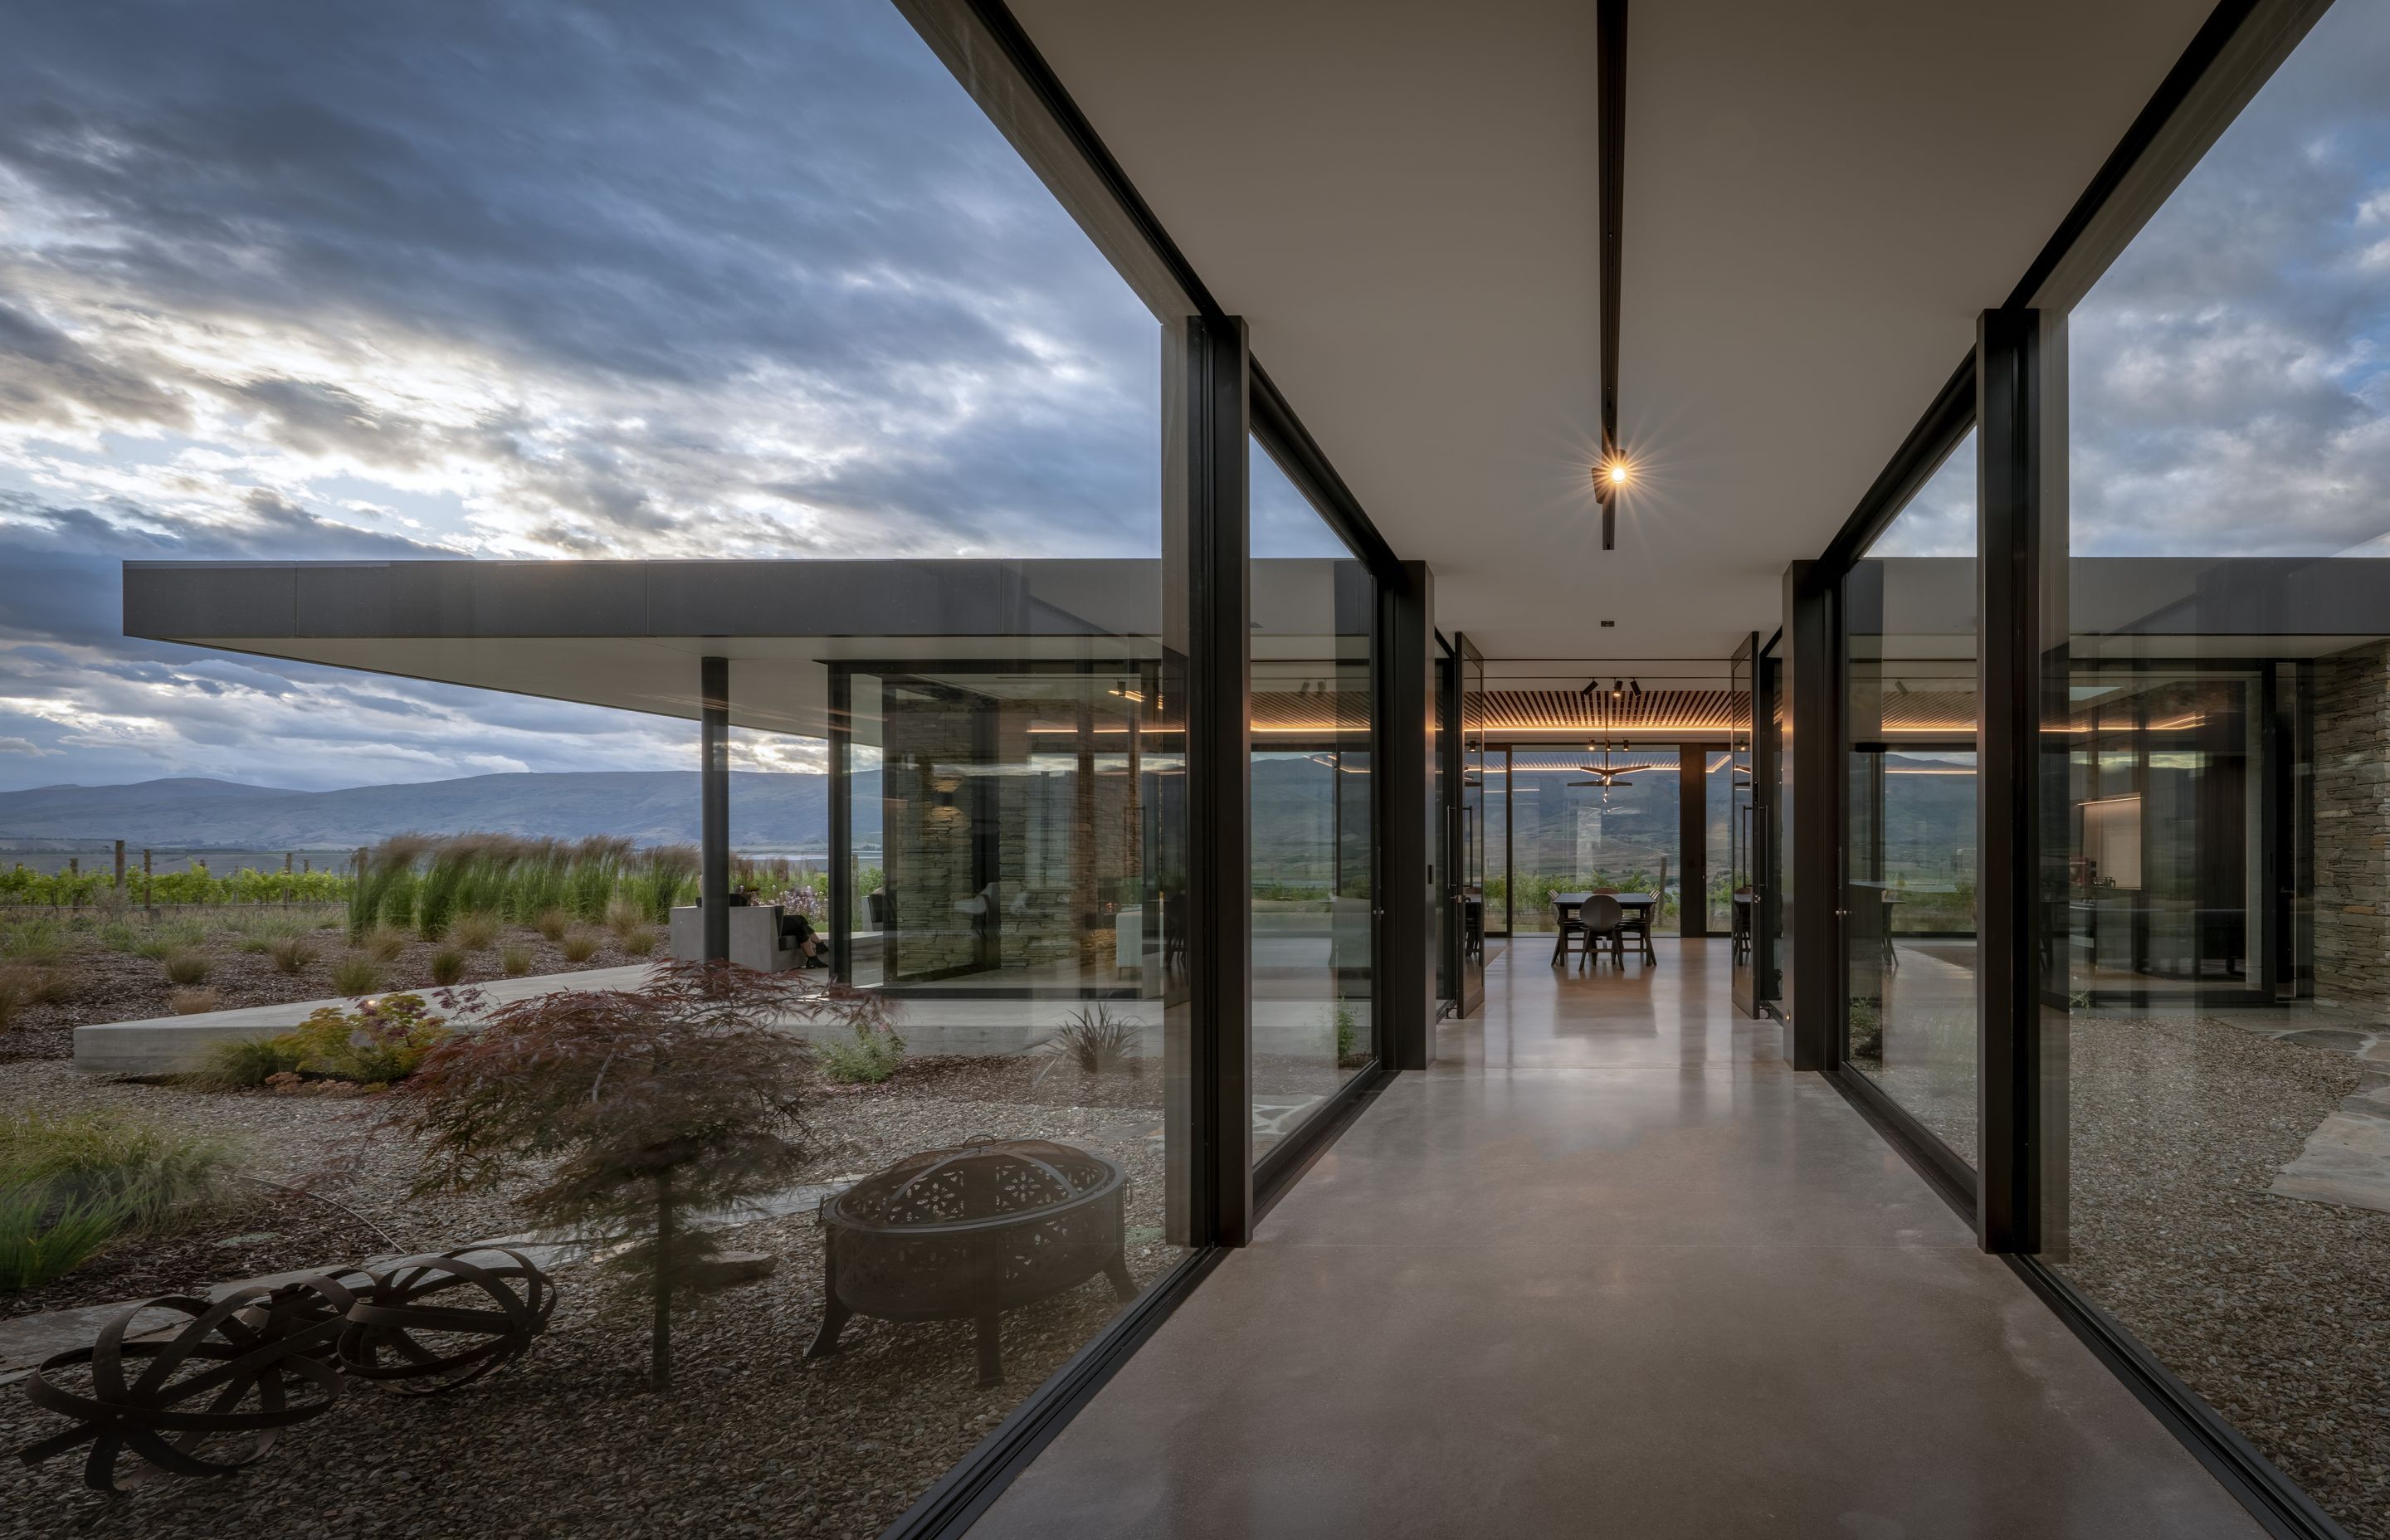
(755, 1439)
(103, 981)
(2272, 1308)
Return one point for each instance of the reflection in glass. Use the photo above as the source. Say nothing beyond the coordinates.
(1582, 820)
(1908, 894)
(1314, 608)
(2219, 885)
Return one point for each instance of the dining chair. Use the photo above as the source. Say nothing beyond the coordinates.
(1569, 921)
(1603, 918)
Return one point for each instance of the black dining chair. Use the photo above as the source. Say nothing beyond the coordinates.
(1570, 923)
(1601, 918)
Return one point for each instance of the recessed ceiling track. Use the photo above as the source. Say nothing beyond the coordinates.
(1611, 99)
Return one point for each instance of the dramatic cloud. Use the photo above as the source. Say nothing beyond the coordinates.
(282, 280)
(2227, 376)
(524, 278)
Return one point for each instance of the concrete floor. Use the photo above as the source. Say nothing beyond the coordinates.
(1612, 1268)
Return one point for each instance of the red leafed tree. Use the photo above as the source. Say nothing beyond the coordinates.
(645, 1105)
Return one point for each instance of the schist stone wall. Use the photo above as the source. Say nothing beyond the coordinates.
(2352, 828)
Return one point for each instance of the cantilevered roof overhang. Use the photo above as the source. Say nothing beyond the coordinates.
(629, 635)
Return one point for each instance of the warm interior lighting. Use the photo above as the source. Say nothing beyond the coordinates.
(1617, 473)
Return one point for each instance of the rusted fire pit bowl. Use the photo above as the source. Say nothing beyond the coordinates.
(970, 1232)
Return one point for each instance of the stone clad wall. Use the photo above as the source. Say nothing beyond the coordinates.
(2352, 828)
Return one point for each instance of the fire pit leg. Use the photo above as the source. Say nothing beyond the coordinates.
(1124, 1287)
(834, 1310)
(991, 1347)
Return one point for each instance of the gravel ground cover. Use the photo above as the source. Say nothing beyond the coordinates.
(2275, 1310)
(268, 1231)
(754, 1439)
(109, 985)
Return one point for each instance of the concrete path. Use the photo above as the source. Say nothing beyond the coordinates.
(175, 1044)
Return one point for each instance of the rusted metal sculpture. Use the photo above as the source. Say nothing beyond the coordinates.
(428, 1324)
(970, 1232)
(252, 1363)
(261, 1359)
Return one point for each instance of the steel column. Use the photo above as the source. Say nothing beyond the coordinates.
(714, 805)
(2013, 921)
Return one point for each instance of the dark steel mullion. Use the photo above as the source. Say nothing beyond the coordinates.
(842, 823)
(1220, 767)
(2010, 688)
(714, 805)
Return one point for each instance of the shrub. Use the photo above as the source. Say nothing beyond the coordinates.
(476, 931)
(639, 943)
(162, 1180)
(186, 967)
(175, 935)
(625, 917)
(291, 954)
(638, 1105)
(1094, 1040)
(39, 941)
(1348, 1035)
(874, 1054)
(579, 945)
(385, 943)
(250, 1061)
(356, 974)
(41, 1240)
(553, 923)
(22, 986)
(447, 967)
(515, 961)
(382, 1040)
(190, 1002)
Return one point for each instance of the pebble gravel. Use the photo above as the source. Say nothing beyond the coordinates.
(753, 1440)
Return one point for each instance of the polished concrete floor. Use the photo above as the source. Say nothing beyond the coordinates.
(1610, 1269)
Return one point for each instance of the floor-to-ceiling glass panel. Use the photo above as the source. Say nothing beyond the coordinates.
(459, 300)
(1584, 819)
(2220, 891)
(1497, 848)
(1908, 862)
(1315, 606)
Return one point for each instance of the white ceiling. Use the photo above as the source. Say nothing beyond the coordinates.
(1819, 197)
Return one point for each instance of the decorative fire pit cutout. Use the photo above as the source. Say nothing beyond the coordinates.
(970, 1232)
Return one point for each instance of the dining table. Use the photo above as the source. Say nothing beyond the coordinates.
(1567, 904)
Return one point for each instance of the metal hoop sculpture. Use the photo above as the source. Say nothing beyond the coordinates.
(246, 1356)
(384, 1340)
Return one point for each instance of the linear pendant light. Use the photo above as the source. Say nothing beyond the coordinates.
(1610, 23)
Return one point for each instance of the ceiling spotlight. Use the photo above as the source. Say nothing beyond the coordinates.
(1635, 686)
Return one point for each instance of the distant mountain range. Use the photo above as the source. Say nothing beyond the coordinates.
(649, 806)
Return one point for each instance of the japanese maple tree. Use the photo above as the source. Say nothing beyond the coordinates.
(646, 1107)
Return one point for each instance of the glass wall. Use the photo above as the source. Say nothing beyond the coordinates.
(550, 283)
(1581, 819)
(1910, 823)
(2222, 887)
(1314, 619)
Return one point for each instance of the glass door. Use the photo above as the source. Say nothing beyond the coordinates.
(1746, 827)
(1468, 892)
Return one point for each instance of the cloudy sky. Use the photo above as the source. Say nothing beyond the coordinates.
(547, 280)
(2229, 375)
